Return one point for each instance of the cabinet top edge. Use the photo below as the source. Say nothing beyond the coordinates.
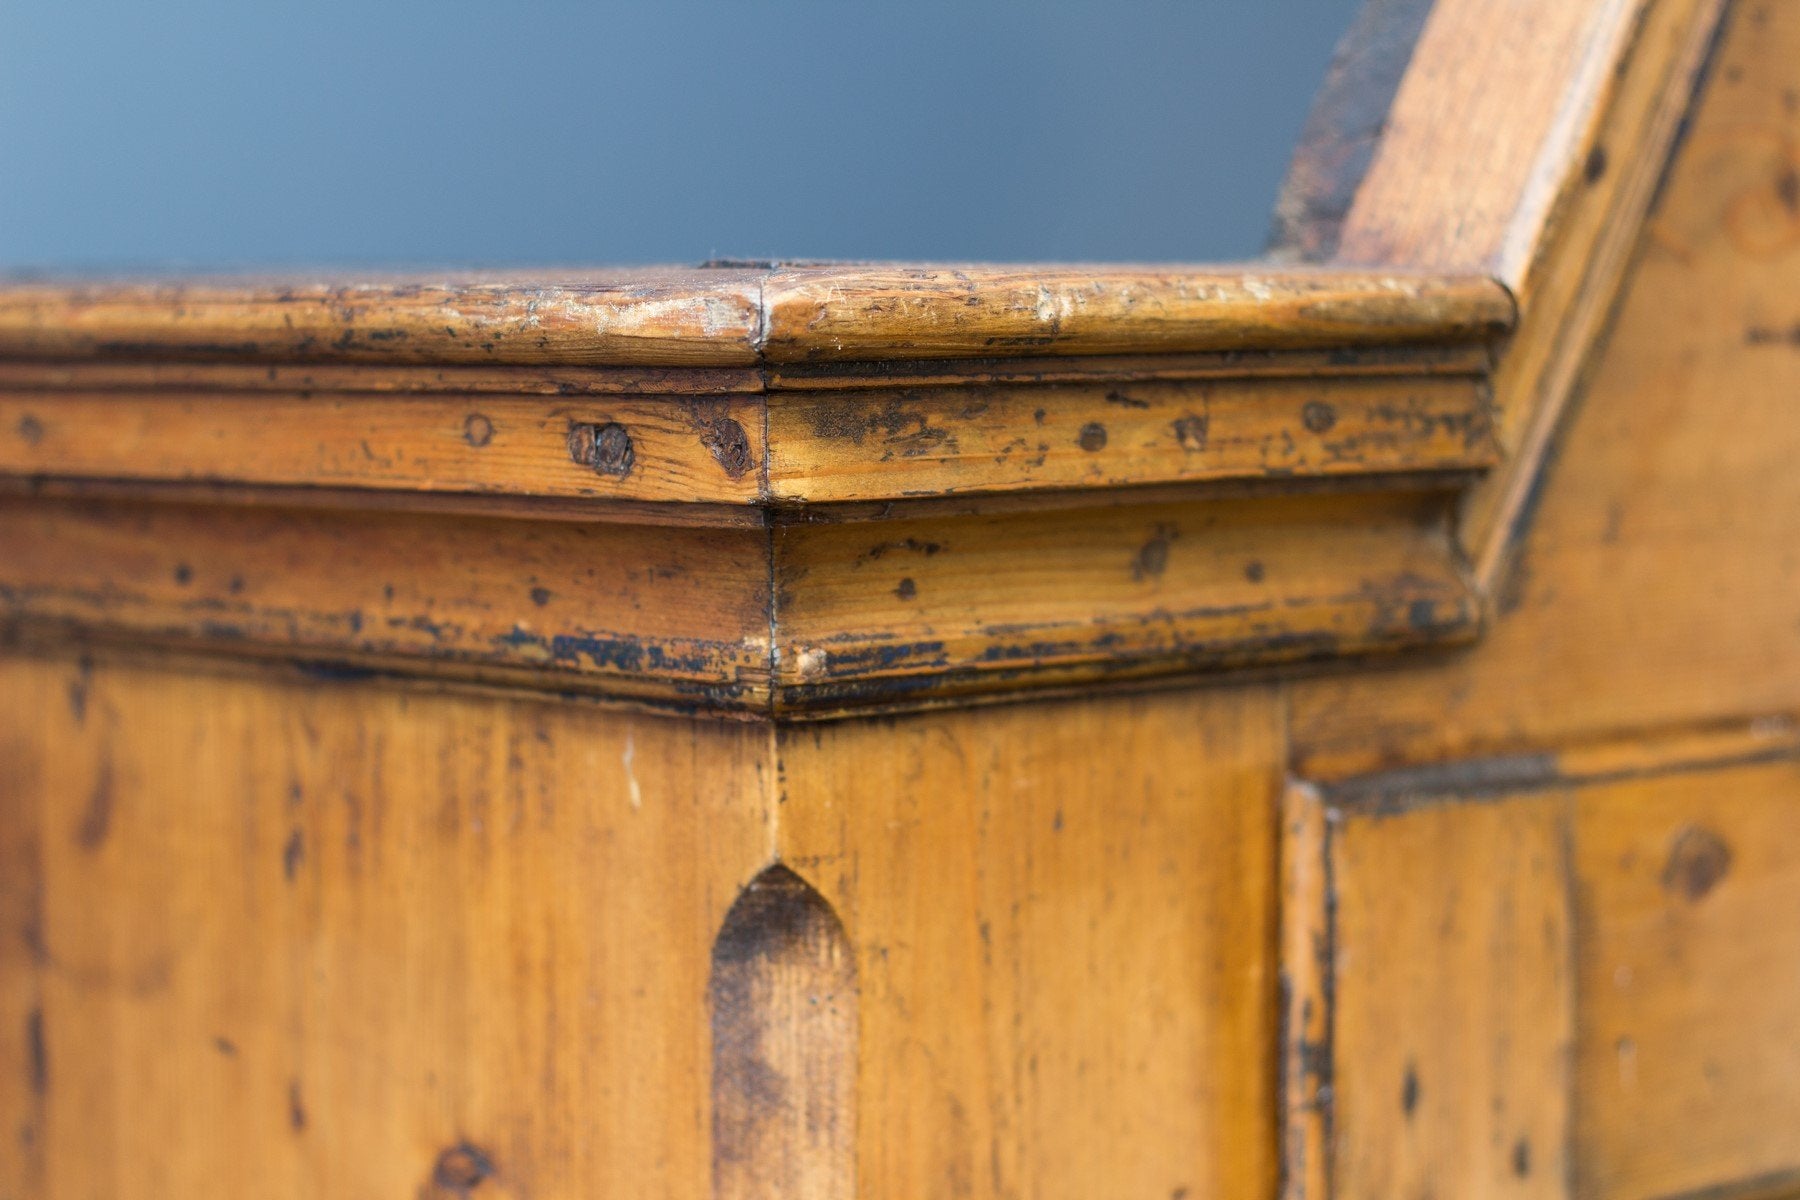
(745, 315)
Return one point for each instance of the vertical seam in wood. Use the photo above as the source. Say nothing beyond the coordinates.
(1307, 947)
(1571, 888)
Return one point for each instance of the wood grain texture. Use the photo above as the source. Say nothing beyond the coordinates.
(937, 608)
(1653, 585)
(1582, 260)
(314, 940)
(696, 454)
(1064, 921)
(805, 620)
(1634, 897)
(1454, 998)
(843, 447)
(784, 1018)
(879, 312)
(677, 317)
(645, 317)
(657, 615)
(1689, 1063)
(1486, 133)
(1307, 982)
(685, 452)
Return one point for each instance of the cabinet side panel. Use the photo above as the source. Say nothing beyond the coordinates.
(335, 939)
(1063, 916)
(1655, 580)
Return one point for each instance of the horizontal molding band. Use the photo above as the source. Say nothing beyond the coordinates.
(796, 622)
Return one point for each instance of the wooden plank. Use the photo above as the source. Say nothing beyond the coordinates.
(837, 447)
(1689, 1062)
(871, 615)
(1486, 133)
(305, 940)
(1653, 584)
(1582, 260)
(1064, 923)
(695, 453)
(674, 616)
(859, 313)
(679, 451)
(674, 317)
(922, 610)
(646, 317)
(1454, 1000)
(34, 704)
(1307, 934)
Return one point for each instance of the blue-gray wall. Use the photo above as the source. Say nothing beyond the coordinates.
(206, 133)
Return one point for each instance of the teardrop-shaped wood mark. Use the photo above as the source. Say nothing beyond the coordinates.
(784, 1018)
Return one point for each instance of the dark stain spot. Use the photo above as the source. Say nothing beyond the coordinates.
(225, 1046)
(38, 1057)
(1179, 1193)
(912, 545)
(78, 696)
(1762, 336)
(31, 429)
(1152, 558)
(606, 448)
(907, 589)
(184, 574)
(236, 585)
(1421, 614)
(478, 431)
(296, 1107)
(1409, 1092)
(96, 818)
(725, 439)
(1125, 401)
(1038, 416)
(461, 1168)
(1318, 416)
(1190, 431)
(1253, 571)
(1594, 169)
(1698, 859)
(293, 854)
(1093, 437)
(1057, 824)
(1787, 189)
(540, 596)
(1521, 1158)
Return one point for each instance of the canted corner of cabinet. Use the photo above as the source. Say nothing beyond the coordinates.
(774, 491)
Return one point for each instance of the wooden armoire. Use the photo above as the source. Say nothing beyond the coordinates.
(1323, 728)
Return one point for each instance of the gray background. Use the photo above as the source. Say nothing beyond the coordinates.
(219, 133)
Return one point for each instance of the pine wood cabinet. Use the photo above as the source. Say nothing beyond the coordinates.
(1321, 727)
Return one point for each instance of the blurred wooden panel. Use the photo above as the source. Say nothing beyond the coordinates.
(1656, 577)
(273, 940)
(1064, 921)
(1689, 1068)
